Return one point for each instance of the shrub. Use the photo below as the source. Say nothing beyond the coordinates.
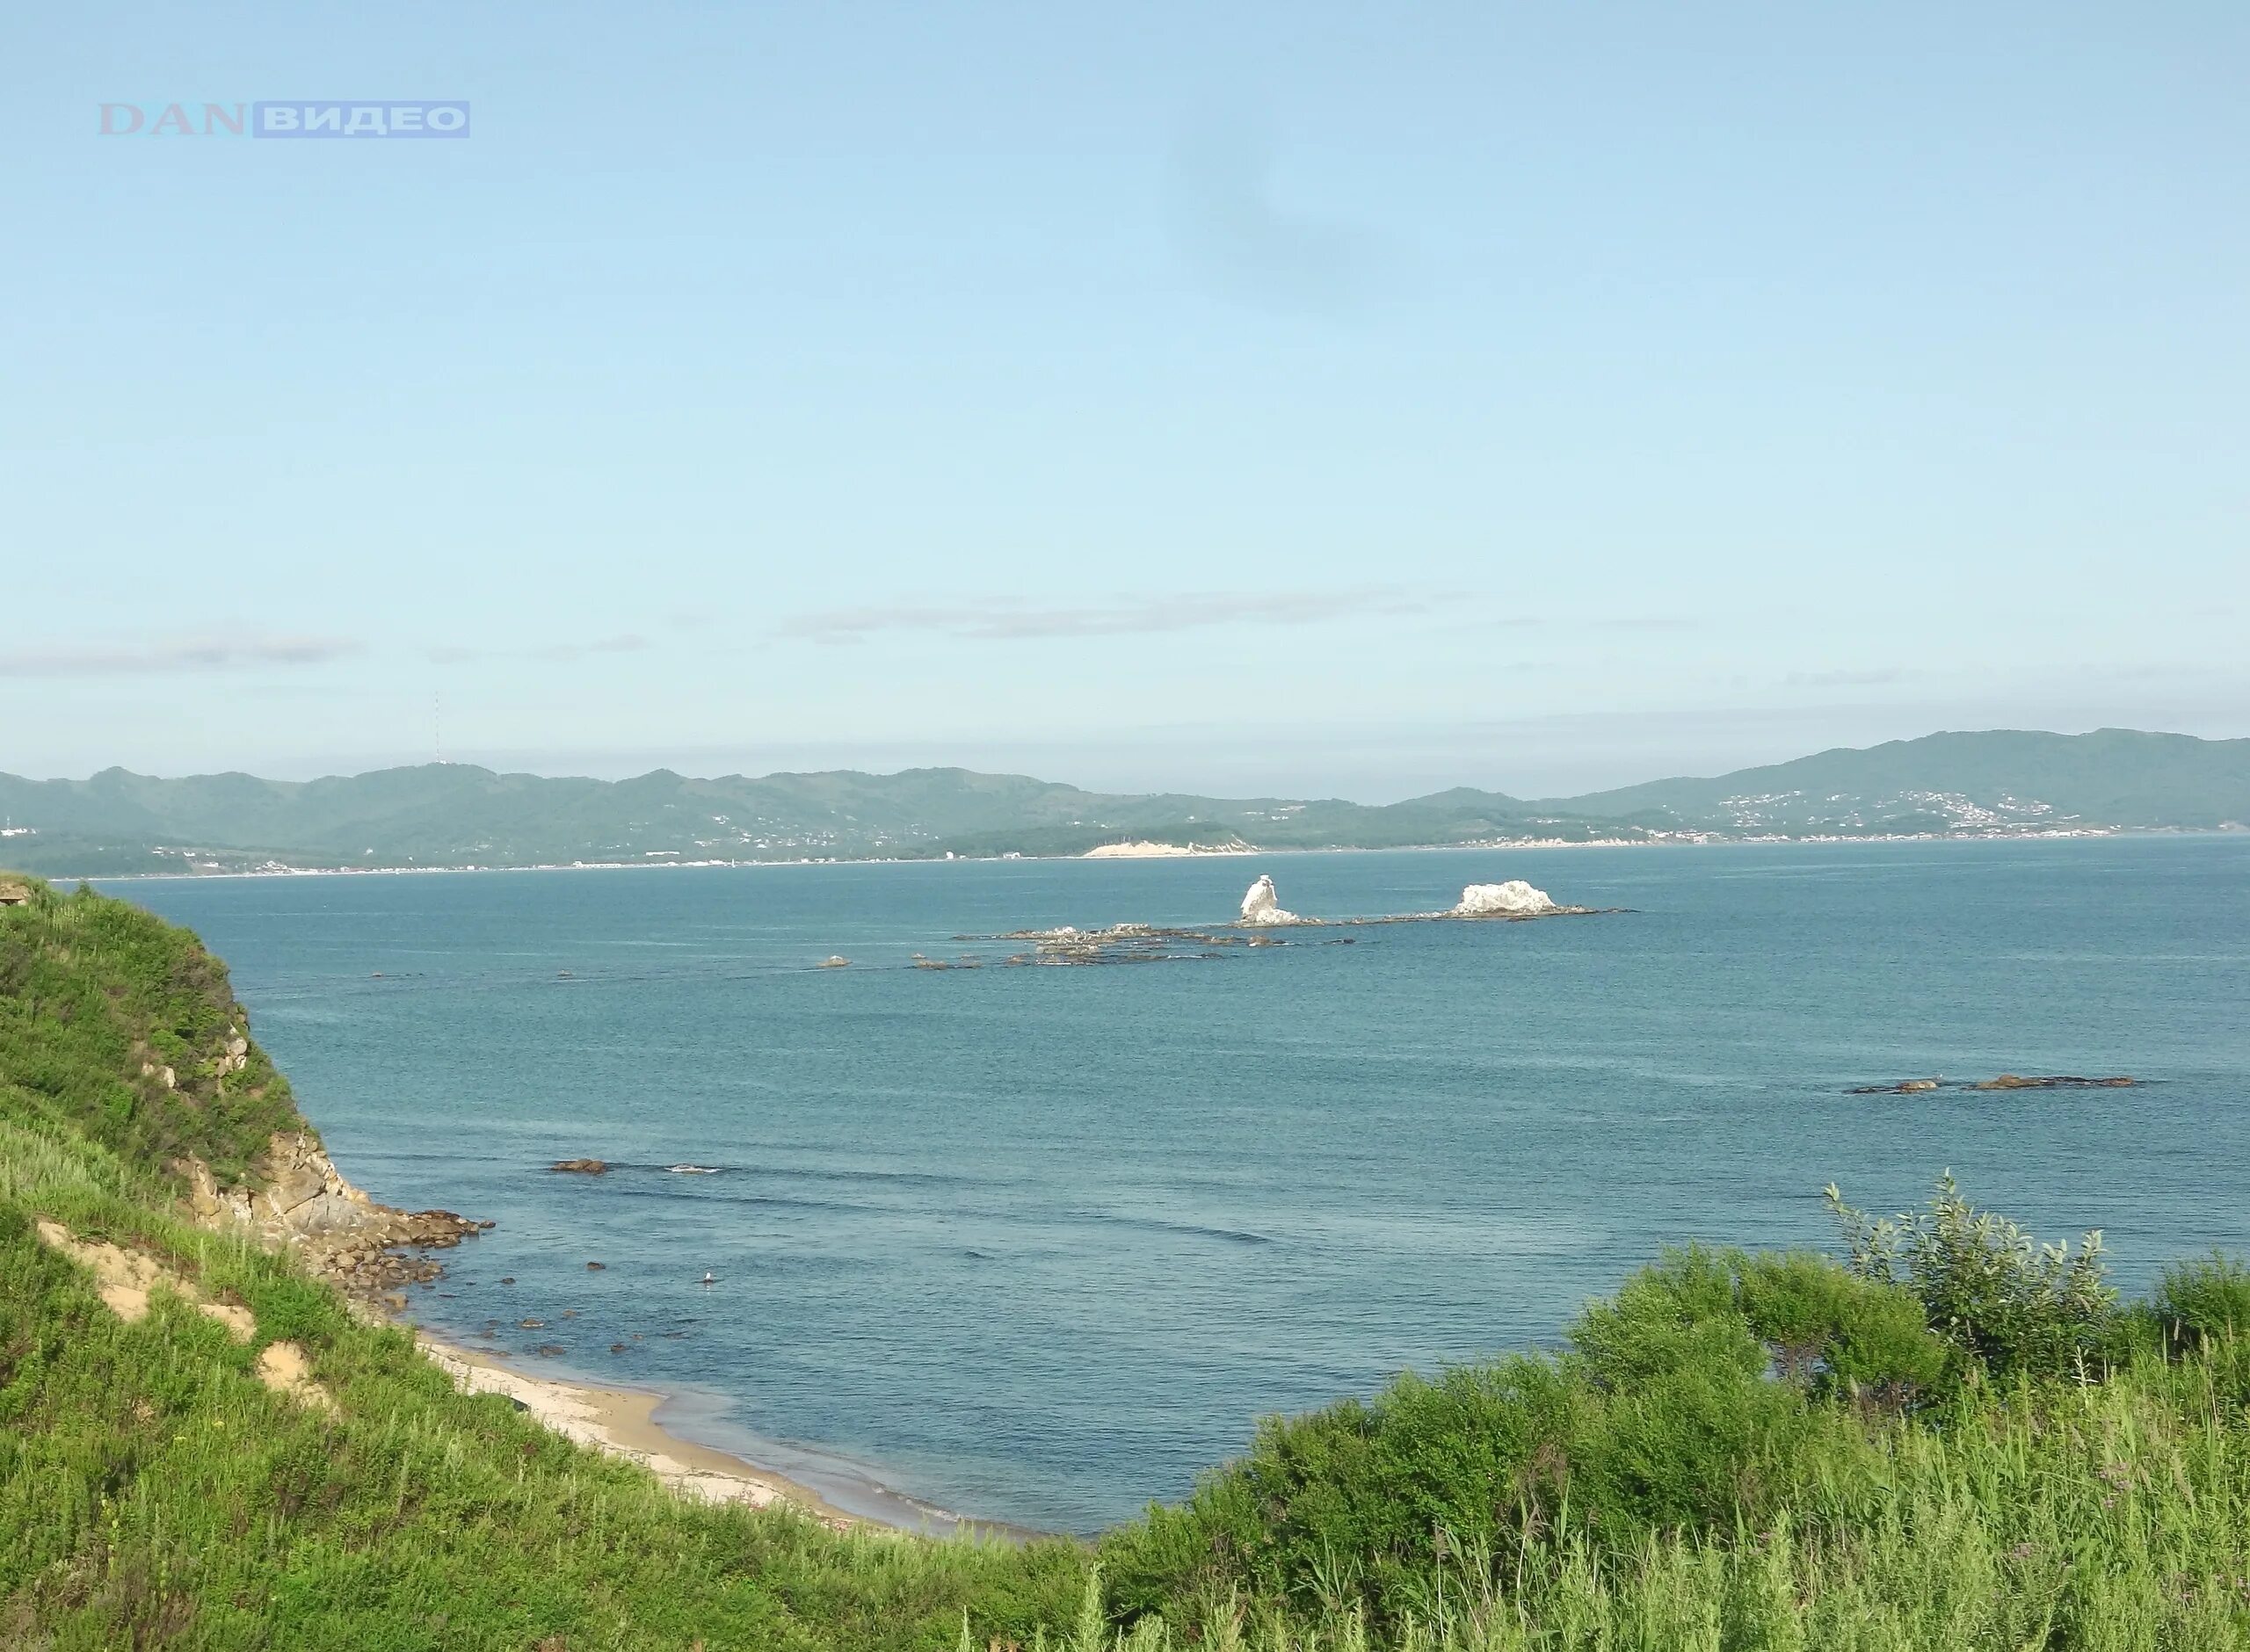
(1680, 1313)
(1859, 1338)
(2203, 1300)
(2013, 1306)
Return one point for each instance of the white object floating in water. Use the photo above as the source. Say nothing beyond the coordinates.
(1261, 906)
(694, 1170)
(1516, 898)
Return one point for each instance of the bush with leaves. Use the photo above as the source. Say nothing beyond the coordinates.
(2005, 1302)
(2208, 1299)
(1700, 1398)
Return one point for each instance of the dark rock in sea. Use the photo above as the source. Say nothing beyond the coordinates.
(511, 1279)
(617, 1348)
(531, 1324)
(581, 1167)
(2005, 1081)
(2053, 1081)
(550, 1349)
(596, 1267)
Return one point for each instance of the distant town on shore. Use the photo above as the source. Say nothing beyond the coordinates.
(1992, 783)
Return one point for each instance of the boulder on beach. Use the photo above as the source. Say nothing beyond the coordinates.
(1261, 906)
(1516, 898)
(581, 1167)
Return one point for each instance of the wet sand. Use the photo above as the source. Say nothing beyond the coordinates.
(621, 1422)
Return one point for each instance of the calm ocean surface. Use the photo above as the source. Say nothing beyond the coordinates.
(1037, 1245)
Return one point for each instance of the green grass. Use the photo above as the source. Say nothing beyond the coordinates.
(92, 992)
(153, 1492)
(1951, 1437)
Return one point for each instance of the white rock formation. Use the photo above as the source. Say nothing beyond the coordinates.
(1260, 906)
(1516, 898)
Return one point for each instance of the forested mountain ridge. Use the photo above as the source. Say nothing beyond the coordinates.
(448, 815)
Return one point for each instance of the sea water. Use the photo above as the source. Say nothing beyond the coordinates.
(1037, 1245)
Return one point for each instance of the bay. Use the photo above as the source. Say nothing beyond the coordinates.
(1038, 1245)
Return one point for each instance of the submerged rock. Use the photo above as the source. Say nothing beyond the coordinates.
(2005, 1081)
(2054, 1081)
(1516, 898)
(581, 1167)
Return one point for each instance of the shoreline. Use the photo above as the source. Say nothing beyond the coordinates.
(625, 1422)
(1680, 841)
(621, 1422)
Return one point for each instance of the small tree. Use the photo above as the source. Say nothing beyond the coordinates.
(1994, 1293)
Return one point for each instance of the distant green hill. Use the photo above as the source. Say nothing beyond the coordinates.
(2114, 776)
(450, 814)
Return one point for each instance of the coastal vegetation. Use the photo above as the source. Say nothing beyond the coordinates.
(1945, 1434)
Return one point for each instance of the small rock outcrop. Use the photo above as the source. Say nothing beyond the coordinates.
(1516, 898)
(1260, 906)
(2054, 1081)
(298, 1200)
(2005, 1081)
(581, 1167)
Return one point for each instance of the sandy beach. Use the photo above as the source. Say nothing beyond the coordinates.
(621, 1422)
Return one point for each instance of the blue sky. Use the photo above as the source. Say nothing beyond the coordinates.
(1301, 398)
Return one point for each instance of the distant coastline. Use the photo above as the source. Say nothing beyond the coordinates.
(451, 817)
(1670, 841)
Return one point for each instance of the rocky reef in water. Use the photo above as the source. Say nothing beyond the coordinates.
(1118, 944)
(2005, 1081)
(1261, 910)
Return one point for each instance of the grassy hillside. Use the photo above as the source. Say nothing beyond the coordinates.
(1949, 1438)
(153, 1492)
(121, 1029)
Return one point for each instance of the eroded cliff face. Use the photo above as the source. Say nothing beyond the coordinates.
(302, 1195)
(297, 1197)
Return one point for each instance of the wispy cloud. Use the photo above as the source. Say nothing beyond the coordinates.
(1874, 679)
(624, 643)
(1001, 620)
(164, 656)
